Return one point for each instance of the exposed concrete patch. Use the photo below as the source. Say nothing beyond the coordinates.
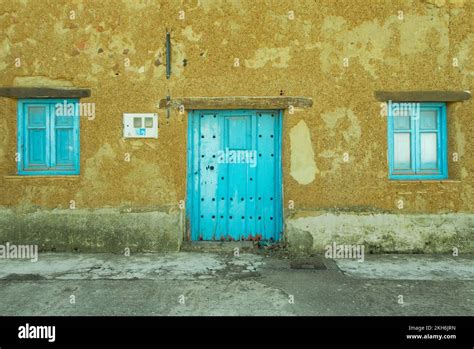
(353, 133)
(382, 232)
(99, 230)
(407, 267)
(303, 167)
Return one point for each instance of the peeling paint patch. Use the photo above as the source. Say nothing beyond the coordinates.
(189, 34)
(352, 133)
(178, 56)
(365, 44)
(331, 119)
(341, 121)
(441, 3)
(437, 3)
(464, 53)
(369, 43)
(303, 166)
(4, 52)
(415, 31)
(209, 5)
(40, 81)
(457, 3)
(60, 28)
(140, 5)
(279, 58)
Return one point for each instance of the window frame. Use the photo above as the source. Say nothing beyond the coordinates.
(415, 172)
(22, 165)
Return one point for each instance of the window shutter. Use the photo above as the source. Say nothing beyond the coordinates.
(36, 137)
(63, 142)
(48, 137)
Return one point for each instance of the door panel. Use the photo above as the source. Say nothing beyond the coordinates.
(234, 175)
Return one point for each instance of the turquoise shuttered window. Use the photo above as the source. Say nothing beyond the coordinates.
(48, 137)
(417, 141)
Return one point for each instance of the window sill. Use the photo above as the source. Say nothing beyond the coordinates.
(68, 177)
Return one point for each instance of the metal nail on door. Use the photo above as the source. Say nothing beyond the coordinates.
(234, 175)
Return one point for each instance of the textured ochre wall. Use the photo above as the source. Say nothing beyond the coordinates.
(302, 55)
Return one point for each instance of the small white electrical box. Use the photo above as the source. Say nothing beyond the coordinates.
(140, 125)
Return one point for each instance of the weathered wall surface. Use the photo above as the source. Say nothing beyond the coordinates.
(300, 56)
(314, 231)
(95, 230)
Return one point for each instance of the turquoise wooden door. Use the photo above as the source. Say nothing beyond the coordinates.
(234, 187)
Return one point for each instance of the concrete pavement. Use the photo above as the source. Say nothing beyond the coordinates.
(190, 283)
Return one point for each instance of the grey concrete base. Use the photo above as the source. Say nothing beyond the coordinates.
(410, 267)
(113, 230)
(311, 232)
(99, 230)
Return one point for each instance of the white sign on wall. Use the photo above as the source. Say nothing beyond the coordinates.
(140, 125)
